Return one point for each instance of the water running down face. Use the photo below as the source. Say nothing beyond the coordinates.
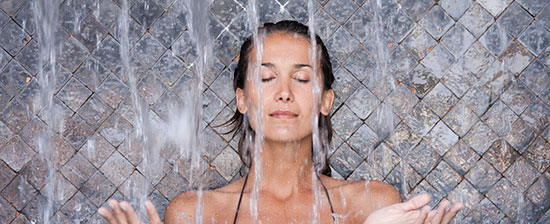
(287, 84)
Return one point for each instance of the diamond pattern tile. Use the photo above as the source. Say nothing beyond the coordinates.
(429, 96)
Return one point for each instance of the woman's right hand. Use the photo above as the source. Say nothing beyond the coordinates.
(415, 211)
(123, 213)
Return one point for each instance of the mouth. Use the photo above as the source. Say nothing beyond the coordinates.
(280, 114)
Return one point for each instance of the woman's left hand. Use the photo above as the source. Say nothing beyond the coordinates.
(123, 213)
(415, 211)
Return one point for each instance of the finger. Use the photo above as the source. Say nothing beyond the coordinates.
(441, 210)
(152, 213)
(415, 203)
(108, 215)
(430, 216)
(117, 212)
(129, 212)
(423, 214)
(451, 212)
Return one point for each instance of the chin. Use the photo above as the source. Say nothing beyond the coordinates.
(286, 135)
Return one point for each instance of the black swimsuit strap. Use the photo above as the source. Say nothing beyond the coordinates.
(244, 185)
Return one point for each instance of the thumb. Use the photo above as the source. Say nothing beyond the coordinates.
(416, 202)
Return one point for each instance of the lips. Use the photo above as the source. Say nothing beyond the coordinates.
(281, 114)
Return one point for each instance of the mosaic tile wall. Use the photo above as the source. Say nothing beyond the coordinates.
(468, 88)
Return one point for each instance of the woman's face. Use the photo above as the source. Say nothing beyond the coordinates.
(287, 83)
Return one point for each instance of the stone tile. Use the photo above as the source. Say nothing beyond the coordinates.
(515, 19)
(516, 57)
(501, 155)
(416, 9)
(271, 11)
(14, 77)
(212, 105)
(436, 22)
(495, 7)
(210, 179)
(441, 137)
(458, 39)
(535, 77)
(403, 139)
(19, 192)
(78, 170)
(97, 150)
(63, 190)
(112, 91)
(461, 157)
(76, 131)
(402, 100)
(382, 159)
(536, 38)
(480, 137)
(95, 111)
(455, 8)
(440, 99)
(154, 167)
(90, 32)
(496, 39)
(364, 141)
(400, 63)
(425, 187)
(218, 124)
(520, 135)
(35, 209)
(543, 17)
(146, 12)
(521, 174)
(533, 6)
(151, 88)
(159, 201)
(168, 105)
(223, 86)
(365, 172)
(539, 192)
(458, 81)
(107, 14)
(16, 153)
(538, 154)
(149, 50)
(383, 120)
(476, 19)
(359, 24)
(169, 67)
(168, 28)
(116, 169)
(28, 57)
(421, 80)
(108, 53)
(91, 73)
(225, 10)
(36, 171)
(505, 196)
(74, 94)
(438, 61)
(517, 97)
(546, 134)
(404, 178)
(360, 64)
(484, 212)
(79, 208)
(499, 118)
(341, 44)
(344, 85)
(421, 119)
(227, 163)
(7, 212)
(11, 6)
(6, 175)
(444, 178)
(114, 129)
(98, 189)
(398, 25)
(423, 158)
(483, 176)
(419, 43)
(172, 185)
(479, 99)
(341, 10)
(345, 160)
(13, 38)
(20, 219)
(465, 193)
(225, 48)
(537, 115)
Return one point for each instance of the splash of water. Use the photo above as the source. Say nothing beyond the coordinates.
(46, 15)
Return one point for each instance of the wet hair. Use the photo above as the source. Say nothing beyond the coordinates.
(239, 77)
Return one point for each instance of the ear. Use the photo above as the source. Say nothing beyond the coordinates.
(326, 102)
(242, 106)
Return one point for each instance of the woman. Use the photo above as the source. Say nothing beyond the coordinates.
(289, 180)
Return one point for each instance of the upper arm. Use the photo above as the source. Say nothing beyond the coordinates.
(181, 209)
(383, 194)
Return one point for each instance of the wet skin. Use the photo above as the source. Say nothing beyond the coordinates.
(288, 184)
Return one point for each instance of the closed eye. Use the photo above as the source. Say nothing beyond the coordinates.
(267, 79)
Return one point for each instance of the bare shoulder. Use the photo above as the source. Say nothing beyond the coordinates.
(183, 207)
(365, 195)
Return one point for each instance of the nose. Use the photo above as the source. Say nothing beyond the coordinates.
(285, 93)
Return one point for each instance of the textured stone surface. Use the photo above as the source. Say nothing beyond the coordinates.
(447, 97)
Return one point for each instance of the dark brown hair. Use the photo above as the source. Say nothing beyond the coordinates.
(239, 77)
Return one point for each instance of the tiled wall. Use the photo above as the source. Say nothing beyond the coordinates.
(462, 111)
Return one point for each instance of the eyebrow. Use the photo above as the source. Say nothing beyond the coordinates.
(271, 65)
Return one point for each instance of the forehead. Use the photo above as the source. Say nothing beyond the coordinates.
(284, 48)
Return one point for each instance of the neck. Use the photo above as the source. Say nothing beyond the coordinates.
(286, 168)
